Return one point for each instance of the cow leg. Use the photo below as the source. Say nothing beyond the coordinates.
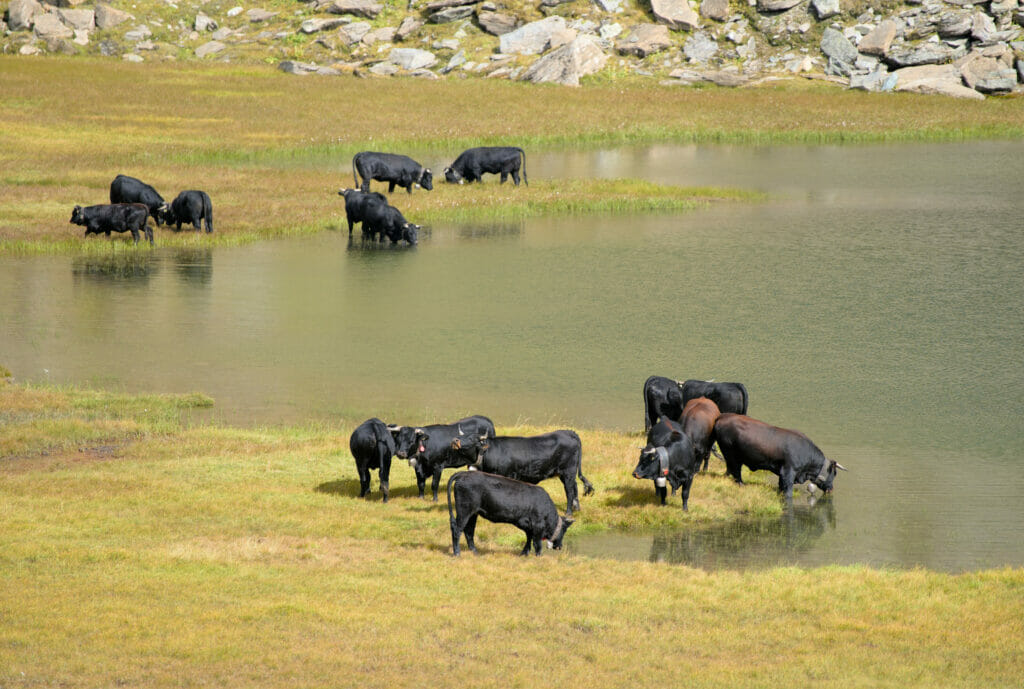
(135, 235)
(149, 234)
(456, 534)
(391, 187)
(786, 477)
(572, 500)
(364, 480)
(178, 228)
(470, 532)
(686, 493)
(537, 543)
(460, 523)
(504, 176)
(436, 481)
(526, 548)
(385, 473)
(196, 225)
(365, 186)
(734, 469)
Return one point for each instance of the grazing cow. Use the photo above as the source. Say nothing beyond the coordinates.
(539, 457)
(114, 217)
(667, 397)
(387, 221)
(432, 449)
(125, 189)
(356, 202)
(505, 500)
(669, 457)
(789, 454)
(396, 170)
(698, 423)
(372, 446)
(472, 163)
(190, 206)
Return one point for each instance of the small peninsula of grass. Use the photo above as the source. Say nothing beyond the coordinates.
(143, 546)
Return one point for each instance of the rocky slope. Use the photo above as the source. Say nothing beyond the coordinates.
(962, 48)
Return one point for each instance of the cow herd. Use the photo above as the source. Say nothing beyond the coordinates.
(683, 420)
(133, 202)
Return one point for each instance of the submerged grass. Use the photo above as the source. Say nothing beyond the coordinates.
(138, 548)
(272, 149)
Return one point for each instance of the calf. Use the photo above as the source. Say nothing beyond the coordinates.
(434, 448)
(190, 206)
(667, 397)
(789, 454)
(125, 189)
(504, 500)
(472, 163)
(114, 217)
(533, 459)
(384, 220)
(372, 446)
(698, 423)
(396, 170)
(668, 457)
(356, 202)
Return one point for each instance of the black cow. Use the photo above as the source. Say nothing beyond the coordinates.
(356, 202)
(125, 189)
(190, 206)
(396, 170)
(698, 423)
(533, 459)
(372, 446)
(387, 221)
(472, 163)
(667, 397)
(500, 499)
(668, 457)
(789, 454)
(432, 449)
(114, 217)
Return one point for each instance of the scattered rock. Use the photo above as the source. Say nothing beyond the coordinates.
(311, 26)
(955, 24)
(385, 34)
(935, 79)
(444, 4)
(989, 75)
(204, 23)
(209, 48)
(715, 9)
(776, 5)
(234, 11)
(28, 49)
(700, 47)
(878, 41)
(537, 37)
(823, 9)
(412, 58)
(360, 8)
(48, 25)
(452, 14)
(384, 69)
(292, 67)
(257, 16)
(495, 23)
(408, 26)
(568, 64)
(610, 5)
(139, 33)
(458, 59)
(131, 57)
(84, 20)
(923, 54)
(837, 47)
(19, 16)
(354, 32)
(81, 37)
(644, 40)
(676, 14)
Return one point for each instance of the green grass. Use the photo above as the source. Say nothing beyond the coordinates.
(142, 548)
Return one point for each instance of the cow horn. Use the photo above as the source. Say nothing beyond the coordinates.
(840, 466)
(162, 207)
(460, 430)
(394, 427)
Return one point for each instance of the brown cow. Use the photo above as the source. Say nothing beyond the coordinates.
(698, 422)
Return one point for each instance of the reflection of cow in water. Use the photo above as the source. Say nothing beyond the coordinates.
(750, 542)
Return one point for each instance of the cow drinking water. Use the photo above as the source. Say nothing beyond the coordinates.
(668, 458)
(125, 189)
(356, 203)
(190, 206)
(504, 500)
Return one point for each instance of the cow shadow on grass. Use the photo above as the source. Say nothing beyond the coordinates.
(633, 495)
(349, 488)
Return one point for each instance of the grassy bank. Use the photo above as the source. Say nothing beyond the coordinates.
(272, 149)
(140, 547)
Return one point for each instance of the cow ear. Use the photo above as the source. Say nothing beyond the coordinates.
(676, 435)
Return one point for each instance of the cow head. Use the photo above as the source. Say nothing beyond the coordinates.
(410, 233)
(166, 215)
(827, 475)
(652, 465)
(409, 443)
(427, 179)
(471, 446)
(77, 217)
(345, 192)
(555, 540)
(452, 177)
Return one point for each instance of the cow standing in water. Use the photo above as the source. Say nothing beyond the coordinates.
(356, 204)
(789, 454)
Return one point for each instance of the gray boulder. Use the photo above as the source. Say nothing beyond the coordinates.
(495, 23)
(411, 59)
(384, 34)
(537, 37)
(715, 9)
(20, 13)
(934, 79)
(83, 20)
(879, 40)
(875, 80)
(292, 67)
(923, 54)
(644, 40)
(360, 8)
(568, 64)
(209, 48)
(988, 75)
(451, 14)
(823, 9)
(256, 15)
(48, 25)
(955, 24)
(354, 32)
(408, 26)
(311, 26)
(837, 47)
(204, 23)
(700, 47)
(776, 5)
(444, 4)
(676, 14)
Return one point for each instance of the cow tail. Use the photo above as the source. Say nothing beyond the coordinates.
(647, 407)
(743, 389)
(451, 515)
(208, 211)
(355, 180)
(588, 487)
(523, 153)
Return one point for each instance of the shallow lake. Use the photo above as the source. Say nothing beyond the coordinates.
(874, 302)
